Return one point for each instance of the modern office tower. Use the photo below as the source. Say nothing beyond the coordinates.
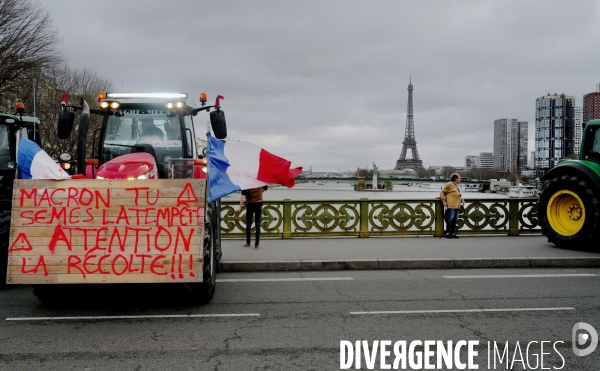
(510, 144)
(591, 106)
(578, 129)
(470, 162)
(485, 160)
(554, 130)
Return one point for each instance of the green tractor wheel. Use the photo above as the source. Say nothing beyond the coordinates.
(569, 212)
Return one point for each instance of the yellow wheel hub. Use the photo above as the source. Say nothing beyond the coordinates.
(566, 213)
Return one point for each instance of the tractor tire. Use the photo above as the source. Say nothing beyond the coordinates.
(217, 231)
(51, 294)
(569, 212)
(203, 292)
(4, 241)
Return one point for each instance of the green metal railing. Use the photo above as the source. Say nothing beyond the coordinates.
(365, 218)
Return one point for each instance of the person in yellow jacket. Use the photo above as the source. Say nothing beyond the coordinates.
(452, 200)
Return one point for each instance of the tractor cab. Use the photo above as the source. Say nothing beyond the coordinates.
(142, 136)
(590, 147)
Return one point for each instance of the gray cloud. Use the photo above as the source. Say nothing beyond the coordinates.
(324, 82)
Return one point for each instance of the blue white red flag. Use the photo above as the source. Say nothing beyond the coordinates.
(234, 166)
(34, 163)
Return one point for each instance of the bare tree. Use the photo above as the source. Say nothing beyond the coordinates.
(447, 171)
(46, 95)
(27, 42)
(78, 84)
(425, 173)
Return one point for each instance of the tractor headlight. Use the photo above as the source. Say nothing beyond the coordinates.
(11, 165)
(114, 105)
(99, 177)
(65, 157)
(143, 176)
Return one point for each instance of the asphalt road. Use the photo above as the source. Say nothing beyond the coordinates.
(296, 320)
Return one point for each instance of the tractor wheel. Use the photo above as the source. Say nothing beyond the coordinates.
(49, 294)
(217, 233)
(203, 292)
(4, 241)
(569, 212)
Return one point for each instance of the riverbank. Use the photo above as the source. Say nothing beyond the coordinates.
(345, 191)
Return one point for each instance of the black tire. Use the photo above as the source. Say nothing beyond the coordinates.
(217, 232)
(589, 232)
(203, 292)
(4, 241)
(49, 294)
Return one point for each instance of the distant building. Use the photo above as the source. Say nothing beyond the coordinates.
(510, 144)
(528, 173)
(591, 106)
(531, 160)
(554, 130)
(470, 162)
(485, 160)
(578, 129)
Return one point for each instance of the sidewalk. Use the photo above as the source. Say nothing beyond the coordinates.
(421, 252)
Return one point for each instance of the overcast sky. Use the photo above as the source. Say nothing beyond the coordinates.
(323, 83)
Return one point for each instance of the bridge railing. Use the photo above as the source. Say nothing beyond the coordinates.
(365, 218)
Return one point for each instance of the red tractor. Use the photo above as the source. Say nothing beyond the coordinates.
(145, 137)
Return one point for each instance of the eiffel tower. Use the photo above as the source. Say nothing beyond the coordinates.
(409, 139)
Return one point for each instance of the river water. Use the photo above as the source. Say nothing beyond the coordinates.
(344, 191)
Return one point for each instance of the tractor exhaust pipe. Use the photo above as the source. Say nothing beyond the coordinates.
(82, 137)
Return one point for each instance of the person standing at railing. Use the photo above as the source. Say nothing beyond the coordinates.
(452, 200)
(254, 204)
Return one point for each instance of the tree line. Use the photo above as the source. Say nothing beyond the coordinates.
(447, 171)
(34, 70)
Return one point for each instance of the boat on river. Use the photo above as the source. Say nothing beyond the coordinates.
(522, 191)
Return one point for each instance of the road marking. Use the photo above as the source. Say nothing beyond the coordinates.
(478, 310)
(284, 279)
(527, 275)
(133, 317)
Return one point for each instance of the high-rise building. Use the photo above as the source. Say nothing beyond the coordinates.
(554, 130)
(510, 144)
(578, 129)
(531, 160)
(470, 162)
(485, 160)
(591, 105)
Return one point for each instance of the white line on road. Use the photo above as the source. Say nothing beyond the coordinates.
(527, 275)
(463, 310)
(133, 317)
(284, 279)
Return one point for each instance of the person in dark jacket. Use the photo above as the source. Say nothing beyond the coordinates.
(254, 203)
(150, 131)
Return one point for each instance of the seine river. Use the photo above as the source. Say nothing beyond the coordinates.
(345, 191)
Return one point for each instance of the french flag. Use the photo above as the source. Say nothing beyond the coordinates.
(234, 166)
(36, 164)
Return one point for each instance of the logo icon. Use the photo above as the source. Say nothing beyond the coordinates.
(584, 335)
